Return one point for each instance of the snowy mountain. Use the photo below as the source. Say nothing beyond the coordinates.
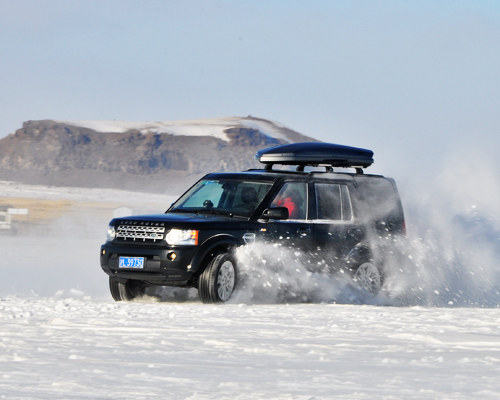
(135, 155)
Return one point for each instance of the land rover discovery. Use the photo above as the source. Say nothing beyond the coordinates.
(342, 217)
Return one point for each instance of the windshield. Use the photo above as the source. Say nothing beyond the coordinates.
(225, 196)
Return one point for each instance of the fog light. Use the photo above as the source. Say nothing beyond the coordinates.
(171, 256)
(103, 252)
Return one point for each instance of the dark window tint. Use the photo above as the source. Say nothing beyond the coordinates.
(328, 201)
(333, 202)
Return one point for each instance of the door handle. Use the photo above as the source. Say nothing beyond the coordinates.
(303, 231)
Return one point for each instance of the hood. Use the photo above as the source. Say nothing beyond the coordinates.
(179, 218)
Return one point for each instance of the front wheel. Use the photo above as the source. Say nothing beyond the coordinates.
(368, 277)
(126, 291)
(218, 280)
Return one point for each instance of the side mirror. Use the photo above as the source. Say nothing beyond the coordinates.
(275, 213)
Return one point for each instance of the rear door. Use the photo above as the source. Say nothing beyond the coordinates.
(335, 228)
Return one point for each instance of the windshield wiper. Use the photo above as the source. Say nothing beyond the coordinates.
(217, 212)
(182, 210)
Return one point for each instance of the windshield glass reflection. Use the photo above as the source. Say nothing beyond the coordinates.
(223, 196)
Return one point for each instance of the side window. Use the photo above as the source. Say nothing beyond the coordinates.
(293, 195)
(333, 202)
(328, 201)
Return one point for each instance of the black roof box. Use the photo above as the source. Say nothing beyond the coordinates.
(316, 153)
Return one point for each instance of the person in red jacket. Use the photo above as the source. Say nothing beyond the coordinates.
(290, 197)
(288, 203)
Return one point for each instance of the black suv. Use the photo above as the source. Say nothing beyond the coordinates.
(344, 219)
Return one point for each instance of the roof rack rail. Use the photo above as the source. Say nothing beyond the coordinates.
(316, 154)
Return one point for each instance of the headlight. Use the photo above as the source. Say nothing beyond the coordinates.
(182, 237)
(111, 233)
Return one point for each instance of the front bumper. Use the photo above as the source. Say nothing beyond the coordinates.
(160, 266)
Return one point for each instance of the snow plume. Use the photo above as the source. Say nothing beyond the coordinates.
(271, 273)
(453, 247)
(450, 257)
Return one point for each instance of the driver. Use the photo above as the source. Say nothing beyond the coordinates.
(249, 196)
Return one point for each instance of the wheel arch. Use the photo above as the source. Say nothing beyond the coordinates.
(360, 253)
(212, 247)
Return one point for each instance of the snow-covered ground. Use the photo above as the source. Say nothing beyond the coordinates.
(69, 348)
(10, 189)
(433, 333)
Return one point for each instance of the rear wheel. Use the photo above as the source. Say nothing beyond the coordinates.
(126, 291)
(218, 280)
(368, 277)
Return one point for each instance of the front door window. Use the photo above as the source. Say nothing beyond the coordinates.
(293, 195)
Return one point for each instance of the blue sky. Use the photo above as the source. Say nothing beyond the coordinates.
(411, 79)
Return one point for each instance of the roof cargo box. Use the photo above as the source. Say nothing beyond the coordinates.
(311, 153)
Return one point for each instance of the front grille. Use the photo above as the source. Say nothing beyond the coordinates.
(140, 232)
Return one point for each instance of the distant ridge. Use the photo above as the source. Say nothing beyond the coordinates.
(153, 156)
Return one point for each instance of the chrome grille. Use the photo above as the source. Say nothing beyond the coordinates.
(142, 232)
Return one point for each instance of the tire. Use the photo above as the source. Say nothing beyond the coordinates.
(368, 277)
(127, 291)
(218, 281)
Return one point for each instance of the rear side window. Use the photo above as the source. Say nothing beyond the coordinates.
(379, 202)
(333, 202)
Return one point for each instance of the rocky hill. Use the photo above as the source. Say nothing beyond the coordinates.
(153, 156)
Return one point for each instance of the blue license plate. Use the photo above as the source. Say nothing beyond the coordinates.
(131, 262)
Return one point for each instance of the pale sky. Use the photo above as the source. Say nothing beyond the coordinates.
(411, 80)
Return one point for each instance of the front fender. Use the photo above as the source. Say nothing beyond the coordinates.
(211, 247)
